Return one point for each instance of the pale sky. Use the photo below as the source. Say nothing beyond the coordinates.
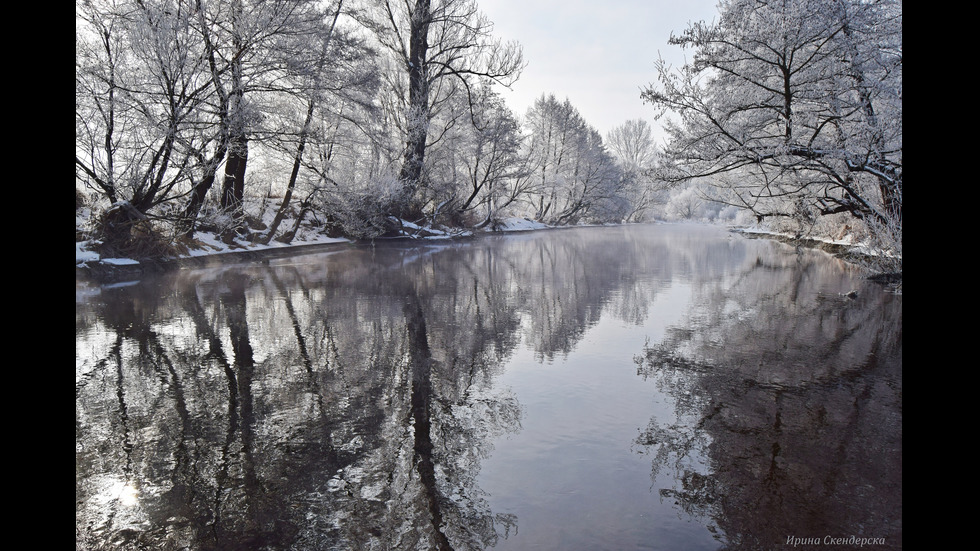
(597, 54)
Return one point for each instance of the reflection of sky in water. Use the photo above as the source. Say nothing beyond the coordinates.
(573, 474)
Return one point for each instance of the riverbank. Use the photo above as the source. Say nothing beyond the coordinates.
(208, 248)
(881, 269)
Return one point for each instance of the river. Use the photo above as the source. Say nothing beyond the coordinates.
(671, 387)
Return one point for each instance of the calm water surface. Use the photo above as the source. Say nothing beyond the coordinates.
(648, 387)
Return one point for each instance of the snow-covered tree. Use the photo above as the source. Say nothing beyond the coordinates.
(251, 48)
(633, 146)
(474, 164)
(171, 95)
(145, 130)
(632, 143)
(791, 108)
(572, 175)
(439, 49)
(326, 99)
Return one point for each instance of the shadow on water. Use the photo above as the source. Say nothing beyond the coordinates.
(347, 400)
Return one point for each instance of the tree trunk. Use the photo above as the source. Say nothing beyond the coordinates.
(303, 137)
(418, 107)
(291, 185)
(203, 186)
(288, 237)
(233, 188)
(195, 202)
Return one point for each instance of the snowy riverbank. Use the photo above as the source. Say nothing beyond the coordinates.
(211, 247)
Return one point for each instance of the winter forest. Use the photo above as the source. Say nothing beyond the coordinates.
(254, 119)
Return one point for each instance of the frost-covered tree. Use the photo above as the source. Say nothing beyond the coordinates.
(145, 130)
(791, 108)
(633, 146)
(251, 46)
(477, 161)
(439, 49)
(632, 143)
(327, 97)
(573, 176)
(171, 95)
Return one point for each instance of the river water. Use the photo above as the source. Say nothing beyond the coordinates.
(669, 387)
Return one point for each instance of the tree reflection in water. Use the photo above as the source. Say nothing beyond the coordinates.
(292, 407)
(788, 401)
(346, 400)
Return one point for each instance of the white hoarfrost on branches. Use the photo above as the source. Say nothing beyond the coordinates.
(792, 109)
(234, 125)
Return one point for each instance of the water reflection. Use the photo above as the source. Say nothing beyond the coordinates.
(348, 400)
(337, 403)
(788, 420)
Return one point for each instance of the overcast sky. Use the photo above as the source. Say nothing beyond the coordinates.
(597, 54)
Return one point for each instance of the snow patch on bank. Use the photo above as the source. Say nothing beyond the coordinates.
(520, 224)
